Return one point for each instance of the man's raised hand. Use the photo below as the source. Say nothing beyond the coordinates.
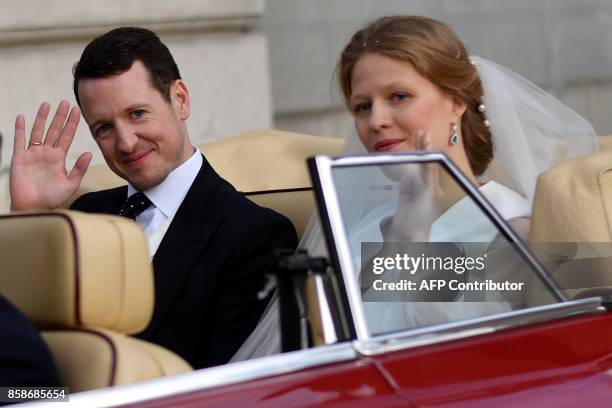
(39, 179)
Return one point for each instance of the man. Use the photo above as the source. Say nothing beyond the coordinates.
(211, 245)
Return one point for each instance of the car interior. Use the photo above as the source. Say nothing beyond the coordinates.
(72, 276)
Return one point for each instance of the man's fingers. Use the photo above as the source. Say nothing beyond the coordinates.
(69, 130)
(80, 167)
(56, 124)
(19, 142)
(39, 123)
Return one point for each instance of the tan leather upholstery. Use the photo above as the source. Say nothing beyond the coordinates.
(605, 142)
(573, 207)
(267, 159)
(77, 269)
(87, 280)
(573, 201)
(262, 164)
(94, 358)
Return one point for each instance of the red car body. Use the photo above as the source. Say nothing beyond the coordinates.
(565, 363)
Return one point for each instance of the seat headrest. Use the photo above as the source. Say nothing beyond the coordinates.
(573, 201)
(605, 142)
(254, 161)
(267, 160)
(68, 269)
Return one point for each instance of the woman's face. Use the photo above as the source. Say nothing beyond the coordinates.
(392, 103)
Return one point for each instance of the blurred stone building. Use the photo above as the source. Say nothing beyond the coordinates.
(256, 64)
(222, 57)
(564, 46)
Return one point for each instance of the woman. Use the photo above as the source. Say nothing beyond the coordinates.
(411, 85)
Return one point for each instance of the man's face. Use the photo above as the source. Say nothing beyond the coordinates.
(142, 136)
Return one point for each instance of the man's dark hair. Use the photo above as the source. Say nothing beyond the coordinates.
(114, 53)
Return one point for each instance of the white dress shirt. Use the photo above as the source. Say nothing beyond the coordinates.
(166, 199)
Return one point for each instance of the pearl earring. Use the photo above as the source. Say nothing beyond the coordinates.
(454, 137)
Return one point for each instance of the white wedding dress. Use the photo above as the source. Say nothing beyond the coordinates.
(462, 222)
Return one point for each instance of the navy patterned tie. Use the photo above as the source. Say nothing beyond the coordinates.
(134, 205)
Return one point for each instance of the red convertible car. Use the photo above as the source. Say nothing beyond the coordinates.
(363, 326)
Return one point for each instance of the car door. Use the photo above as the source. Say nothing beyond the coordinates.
(502, 335)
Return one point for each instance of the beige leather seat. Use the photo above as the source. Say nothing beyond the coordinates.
(573, 207)
(87, 282)
(268, 166)
(573, 201)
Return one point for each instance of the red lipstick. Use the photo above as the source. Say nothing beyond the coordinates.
(387, 144)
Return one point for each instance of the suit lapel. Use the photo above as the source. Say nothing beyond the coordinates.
(110, 202)
(118, 199)
(190, 230)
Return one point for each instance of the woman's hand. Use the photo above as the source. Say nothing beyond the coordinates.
(39, 179)
(419, 193)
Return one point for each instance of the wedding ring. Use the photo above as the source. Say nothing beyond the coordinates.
(34, 143)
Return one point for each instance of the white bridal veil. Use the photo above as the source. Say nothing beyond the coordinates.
(532, 131)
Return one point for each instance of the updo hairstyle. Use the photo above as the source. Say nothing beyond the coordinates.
(436, 53)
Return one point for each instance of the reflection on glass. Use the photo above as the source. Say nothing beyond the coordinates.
(580, 269)
(425, 252)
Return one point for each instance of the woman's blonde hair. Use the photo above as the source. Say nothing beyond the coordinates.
(436, 53)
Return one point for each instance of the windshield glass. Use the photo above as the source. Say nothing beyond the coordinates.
(423, 250)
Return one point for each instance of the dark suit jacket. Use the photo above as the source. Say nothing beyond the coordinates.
(25, 360)
(208, 268)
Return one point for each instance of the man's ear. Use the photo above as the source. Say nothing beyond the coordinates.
(179, 94)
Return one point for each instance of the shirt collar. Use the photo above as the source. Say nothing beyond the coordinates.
(169, 194)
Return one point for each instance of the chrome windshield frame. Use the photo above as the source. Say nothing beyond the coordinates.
(336, 235)
(427, 335)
